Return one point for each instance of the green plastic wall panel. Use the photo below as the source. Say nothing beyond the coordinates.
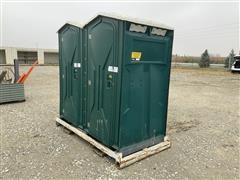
(145, 83)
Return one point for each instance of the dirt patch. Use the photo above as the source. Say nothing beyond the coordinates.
(178, 127)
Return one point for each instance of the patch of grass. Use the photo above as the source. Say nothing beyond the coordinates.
(203, 71)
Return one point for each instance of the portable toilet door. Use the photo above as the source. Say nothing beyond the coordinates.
(102, 73)
(70, 61)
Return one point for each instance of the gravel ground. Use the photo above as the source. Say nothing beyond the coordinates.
(203, 125)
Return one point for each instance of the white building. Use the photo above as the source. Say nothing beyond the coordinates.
(28, 55)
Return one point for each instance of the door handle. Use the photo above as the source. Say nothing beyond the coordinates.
(109, 81)
(75, 73)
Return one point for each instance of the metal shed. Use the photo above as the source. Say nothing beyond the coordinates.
(114, 80)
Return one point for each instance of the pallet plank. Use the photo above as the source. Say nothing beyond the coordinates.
(109, 152)
(130, 159)
(120, 160)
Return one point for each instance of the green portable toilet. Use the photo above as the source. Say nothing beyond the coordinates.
(70, 59)
(122, 83)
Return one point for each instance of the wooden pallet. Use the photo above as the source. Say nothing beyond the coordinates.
(117, 156)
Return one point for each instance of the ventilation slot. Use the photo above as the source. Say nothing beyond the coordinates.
(137, 28)
(159, 32)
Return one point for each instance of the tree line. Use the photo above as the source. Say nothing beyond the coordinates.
(205, 59)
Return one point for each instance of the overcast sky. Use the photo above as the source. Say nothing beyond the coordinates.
(198, 26)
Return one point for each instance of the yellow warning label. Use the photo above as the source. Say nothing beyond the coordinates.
(136, 56)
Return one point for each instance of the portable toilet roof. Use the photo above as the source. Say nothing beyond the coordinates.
(131, 19)
(119, 17)
(70, 23)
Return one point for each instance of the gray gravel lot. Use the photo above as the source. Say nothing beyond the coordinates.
(203, 125)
